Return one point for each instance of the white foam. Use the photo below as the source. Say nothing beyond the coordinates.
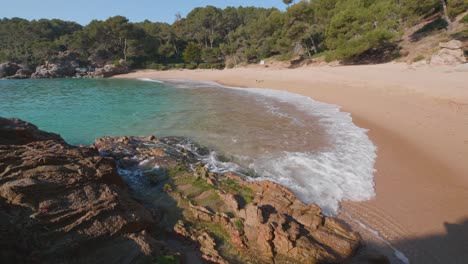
(341, 172)
(215, 165)
(150, 80)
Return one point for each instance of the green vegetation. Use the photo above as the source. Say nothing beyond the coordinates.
(176, 169)
(166, 260)
(418, 58)
(232, 185)
(465, 19)
(213, 38)
(238, 224)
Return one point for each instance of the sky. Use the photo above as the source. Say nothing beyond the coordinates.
(83, 11)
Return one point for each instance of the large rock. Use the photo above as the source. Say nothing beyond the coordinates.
(64, 65)
(21, 74)
(55, 70)
(8, 69)
(17, 132)
(462, 67)
(453, 45)
(280, 228)
(451, 53)
(110, 70)
(65, 204)
(263, 219)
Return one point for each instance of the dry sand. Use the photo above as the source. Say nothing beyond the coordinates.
(418, 118)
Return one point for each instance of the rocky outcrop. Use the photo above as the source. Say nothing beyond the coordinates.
(450, 53)
(61, 204)
(17, 132)
(110, 70)
(21, 74)
(265, 222)
(8, 69)
(66, 204)
(63, 66)
(68, 65)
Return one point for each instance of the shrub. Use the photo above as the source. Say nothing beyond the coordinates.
(192, 53)
(191, 66)
(211, 55)
(177, 66)
(166, 260)
(167, 187)
(218, 66)
(238, 225)
(157, 66)
(418, 58)
(116, 63)
(465, 19)
(456, 7)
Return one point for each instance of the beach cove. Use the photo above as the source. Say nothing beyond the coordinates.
(417, 118)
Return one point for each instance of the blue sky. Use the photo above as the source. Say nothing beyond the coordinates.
(83, 11)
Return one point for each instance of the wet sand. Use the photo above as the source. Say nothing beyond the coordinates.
(418, 118)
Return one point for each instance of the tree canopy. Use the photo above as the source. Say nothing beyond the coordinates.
(345, 29)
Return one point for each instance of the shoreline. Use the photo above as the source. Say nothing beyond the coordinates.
(417, 118)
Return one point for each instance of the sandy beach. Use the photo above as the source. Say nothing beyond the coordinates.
(418, 119)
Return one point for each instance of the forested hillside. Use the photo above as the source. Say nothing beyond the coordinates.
(345, 30)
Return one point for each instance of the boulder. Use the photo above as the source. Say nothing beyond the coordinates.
(462, 67)
(63, 66)
(21, 74)
(449, 57)
(66, 204)
(451, 53)
(8, 69)
(110, 70)
(17, 132)
(55, 70)
(453, 45)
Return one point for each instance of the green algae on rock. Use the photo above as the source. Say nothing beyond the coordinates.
(230, 219)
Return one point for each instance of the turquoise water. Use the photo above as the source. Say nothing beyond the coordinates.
(310, 147)
(82, 110)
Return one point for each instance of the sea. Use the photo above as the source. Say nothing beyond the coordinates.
(312, 148)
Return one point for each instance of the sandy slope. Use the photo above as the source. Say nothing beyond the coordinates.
(418, 118)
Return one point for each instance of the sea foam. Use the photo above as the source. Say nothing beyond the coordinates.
(342, 171)
(149, 80)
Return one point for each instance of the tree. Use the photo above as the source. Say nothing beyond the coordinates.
(192, 53)
(360, 27)
(288, 2)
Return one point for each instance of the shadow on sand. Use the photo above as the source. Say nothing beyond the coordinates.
(448, 248)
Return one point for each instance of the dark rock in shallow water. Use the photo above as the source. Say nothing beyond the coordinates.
(8, 69)
(21, 74)
(66, 204)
